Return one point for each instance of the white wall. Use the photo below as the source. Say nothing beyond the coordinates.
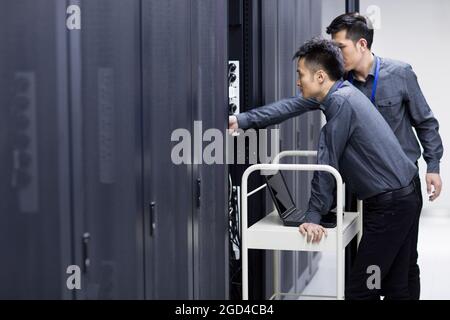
(418, 32)
(330, 10)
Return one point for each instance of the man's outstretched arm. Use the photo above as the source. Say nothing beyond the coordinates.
(273, 113)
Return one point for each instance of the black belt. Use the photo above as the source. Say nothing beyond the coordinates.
(393, 194)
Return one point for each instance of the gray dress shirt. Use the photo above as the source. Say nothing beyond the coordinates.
(398, 98)
(358, 142)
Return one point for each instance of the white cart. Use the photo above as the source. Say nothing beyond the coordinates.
(269, 233)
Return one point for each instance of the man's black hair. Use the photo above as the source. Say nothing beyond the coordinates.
(357, 27)
(322, 54)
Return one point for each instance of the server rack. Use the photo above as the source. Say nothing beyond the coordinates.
(89, 180)
(263, 36)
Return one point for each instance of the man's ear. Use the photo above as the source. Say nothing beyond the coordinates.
(362, 44)
(320, 76)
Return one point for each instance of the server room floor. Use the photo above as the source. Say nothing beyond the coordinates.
(434, 259)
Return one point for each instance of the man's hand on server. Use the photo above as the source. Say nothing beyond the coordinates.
(233, 123)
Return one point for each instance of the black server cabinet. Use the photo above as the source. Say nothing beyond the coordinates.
(168, 190)
(209, 104)
(245, 46)
(35, 232)
(184, 87)
(86, 174)
(151, 68)
(105, 83)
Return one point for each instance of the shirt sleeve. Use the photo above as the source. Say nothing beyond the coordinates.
(423, 120)
(332, 142)
(276, 112)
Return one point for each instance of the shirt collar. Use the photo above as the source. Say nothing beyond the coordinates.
(327, 100)
(372, 70)
(374, 66)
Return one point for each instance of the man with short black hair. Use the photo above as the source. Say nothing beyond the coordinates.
(393, 88)
(360, 145)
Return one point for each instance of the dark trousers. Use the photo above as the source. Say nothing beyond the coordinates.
(388, 244)
(414, 271)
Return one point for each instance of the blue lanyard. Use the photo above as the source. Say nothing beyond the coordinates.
(375, 81)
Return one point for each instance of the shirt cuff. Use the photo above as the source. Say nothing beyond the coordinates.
(243, 121)
(433, 167)
(313, 217)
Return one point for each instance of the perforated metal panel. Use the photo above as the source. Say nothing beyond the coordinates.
(184, 80)
(210, 103)
(35, 206)
(105, 62)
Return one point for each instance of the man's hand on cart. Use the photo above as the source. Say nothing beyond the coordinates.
(312, 231)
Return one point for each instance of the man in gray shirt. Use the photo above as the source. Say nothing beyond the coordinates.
(392, 87)
(358, 142)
